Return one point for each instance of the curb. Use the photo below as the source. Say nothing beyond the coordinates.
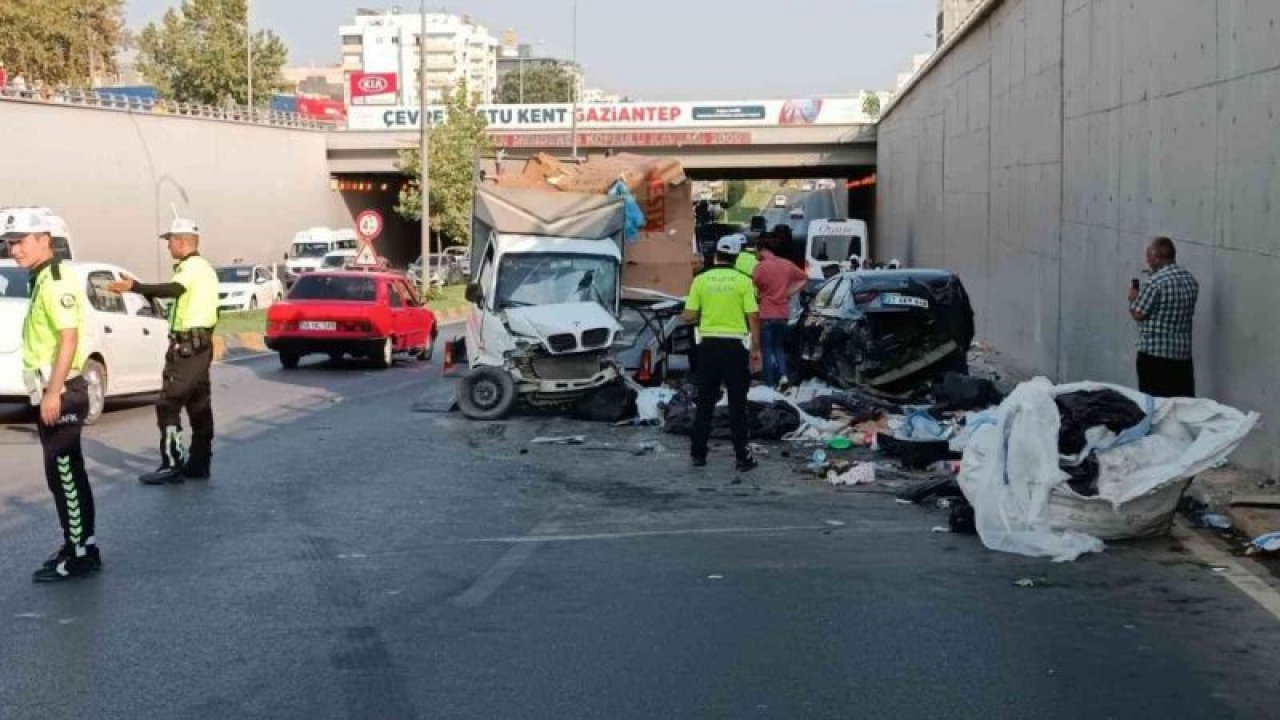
(231, 345)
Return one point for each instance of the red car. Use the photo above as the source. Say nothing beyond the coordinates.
(366, 314)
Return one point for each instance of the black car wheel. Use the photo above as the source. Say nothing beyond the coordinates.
(486, 393)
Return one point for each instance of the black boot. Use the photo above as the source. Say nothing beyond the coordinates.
(66, 566)
(91, 556)
(164, 474)
(196, 470)
(745, 463)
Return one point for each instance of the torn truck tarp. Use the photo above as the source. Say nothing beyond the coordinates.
(1021, 501)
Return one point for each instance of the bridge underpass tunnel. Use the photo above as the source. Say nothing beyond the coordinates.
(794, 199)
(400, 240)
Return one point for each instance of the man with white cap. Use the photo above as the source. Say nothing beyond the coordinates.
(192, 318)
(52, 357)
(722, 303)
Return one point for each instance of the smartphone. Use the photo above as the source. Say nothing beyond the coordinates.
(1135, 284)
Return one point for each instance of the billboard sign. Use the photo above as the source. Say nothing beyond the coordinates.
(367, 88)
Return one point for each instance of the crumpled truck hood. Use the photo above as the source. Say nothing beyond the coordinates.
(543, 321)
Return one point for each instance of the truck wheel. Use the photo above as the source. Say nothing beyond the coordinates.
(289, 361)
(486, 393)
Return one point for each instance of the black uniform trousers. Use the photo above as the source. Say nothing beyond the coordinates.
(722, 362)
(1166, 377)
(186, 385)
(64, 465)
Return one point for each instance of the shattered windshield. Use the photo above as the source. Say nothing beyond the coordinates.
(836, 248)
(309, 249)
(545, 279)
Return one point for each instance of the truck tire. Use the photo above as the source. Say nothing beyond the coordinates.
(486, 393)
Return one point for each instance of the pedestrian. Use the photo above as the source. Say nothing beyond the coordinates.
(194, 314)
(52, 358)
(4, 76)
(1164, 311)
(19, 84)
(777, 280)
(722, 304)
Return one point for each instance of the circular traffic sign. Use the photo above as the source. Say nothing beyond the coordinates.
(369, 224)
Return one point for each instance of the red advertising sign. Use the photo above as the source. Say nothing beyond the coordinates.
(621, 139)
(368, 84)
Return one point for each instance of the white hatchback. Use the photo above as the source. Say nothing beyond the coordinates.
(125, 340)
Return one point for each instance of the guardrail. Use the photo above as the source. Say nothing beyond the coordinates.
(130, 103)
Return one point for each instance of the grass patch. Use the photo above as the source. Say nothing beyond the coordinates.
(230, 323)
(448, 299)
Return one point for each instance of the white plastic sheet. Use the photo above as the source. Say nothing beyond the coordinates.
(1022, 503)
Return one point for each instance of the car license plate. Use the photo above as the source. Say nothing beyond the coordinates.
(314, 325)
(904, 300)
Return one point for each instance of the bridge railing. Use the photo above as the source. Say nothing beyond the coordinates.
(158, 106)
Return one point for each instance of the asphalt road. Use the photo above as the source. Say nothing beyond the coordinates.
(353, 559)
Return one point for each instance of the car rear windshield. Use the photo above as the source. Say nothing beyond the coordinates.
(334, 287)
(13, 283)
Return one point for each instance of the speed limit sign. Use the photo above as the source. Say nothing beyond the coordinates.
(369, 224)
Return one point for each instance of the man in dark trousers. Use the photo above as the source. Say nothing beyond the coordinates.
(194, 314)
(1164, 311)
(52, 358)
(722, 303)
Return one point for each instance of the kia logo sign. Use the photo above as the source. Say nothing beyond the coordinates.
(370, 84)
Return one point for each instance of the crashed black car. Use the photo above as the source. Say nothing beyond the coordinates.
(891, 330)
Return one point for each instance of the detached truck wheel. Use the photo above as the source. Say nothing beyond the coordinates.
(486, 393)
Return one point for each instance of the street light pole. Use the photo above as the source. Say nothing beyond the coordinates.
(424, 150)
(574, 85)
(248, 51)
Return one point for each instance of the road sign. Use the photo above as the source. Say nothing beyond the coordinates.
(369, 225)
(366, 257)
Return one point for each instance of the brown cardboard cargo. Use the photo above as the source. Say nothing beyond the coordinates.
(662, 256)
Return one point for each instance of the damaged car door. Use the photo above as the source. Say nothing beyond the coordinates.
(809, 334)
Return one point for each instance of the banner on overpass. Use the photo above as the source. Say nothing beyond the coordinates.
(630, 116)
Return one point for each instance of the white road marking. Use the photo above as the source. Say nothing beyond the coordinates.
(493, 578)
(535, 539)
(1226, 566)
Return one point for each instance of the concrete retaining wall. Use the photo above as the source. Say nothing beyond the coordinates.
(113, 176)
(1055, 137)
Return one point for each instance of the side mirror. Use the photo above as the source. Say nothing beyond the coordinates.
(473, 294)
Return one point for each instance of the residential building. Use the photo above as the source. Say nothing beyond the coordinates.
(458, 50)
(952, 14)
(514, 57)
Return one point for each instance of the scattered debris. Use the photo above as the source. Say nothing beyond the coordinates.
(940, 529)
(1031, 582)
(715, 577)
(1215, 521)
(857, 474)
(1265, 543)
(561, 440)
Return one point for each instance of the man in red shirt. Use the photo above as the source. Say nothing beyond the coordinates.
(777, 280)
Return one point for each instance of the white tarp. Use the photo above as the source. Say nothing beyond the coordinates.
(1021, 501)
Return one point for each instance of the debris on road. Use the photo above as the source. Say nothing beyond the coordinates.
(1265, 543)
(561, 440)
(857, 474)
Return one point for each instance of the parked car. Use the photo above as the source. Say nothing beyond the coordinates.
(370, 314)
(780, 201)
(247, 287)
(461, 255)
(338, 259)
(887, 329)
(125, 336)
(445, 270)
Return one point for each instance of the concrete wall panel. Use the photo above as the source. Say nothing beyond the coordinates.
(250, 188)
(1249, 186)
(1248, 37)
(1185, 166)
(1185, 52)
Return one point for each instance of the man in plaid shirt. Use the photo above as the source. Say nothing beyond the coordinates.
(1164, 310)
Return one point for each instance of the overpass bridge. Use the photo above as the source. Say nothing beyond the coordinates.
(827, 137)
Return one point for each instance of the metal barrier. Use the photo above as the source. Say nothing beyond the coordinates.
(131, 103)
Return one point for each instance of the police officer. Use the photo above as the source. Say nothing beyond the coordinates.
(194, 289)
(722, 303)
(52, 358)
(747, 259)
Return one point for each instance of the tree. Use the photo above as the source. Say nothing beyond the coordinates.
(543, 83)
(871, 105)
(734, 191)
(197, 54)
(60, 41)
(456, 144)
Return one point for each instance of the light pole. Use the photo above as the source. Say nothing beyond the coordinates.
(574, 86)
(248, 51)
(424, 150)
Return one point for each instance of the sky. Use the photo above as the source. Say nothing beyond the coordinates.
(658, 49)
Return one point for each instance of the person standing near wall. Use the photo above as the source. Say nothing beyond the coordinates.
(52, 357)
(777, 280)
(1164, 311)
(192, 318)
(722, 304)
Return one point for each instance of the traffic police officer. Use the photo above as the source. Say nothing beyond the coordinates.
(722, 303)
(186, 368)
(52, 358)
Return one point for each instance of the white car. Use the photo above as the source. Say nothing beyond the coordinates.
(338, 259)
(780, 201)
(247, 287)
(125, 336)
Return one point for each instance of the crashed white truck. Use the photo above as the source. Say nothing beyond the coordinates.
(546, 271)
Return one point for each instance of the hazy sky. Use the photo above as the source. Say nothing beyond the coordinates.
(660, 49)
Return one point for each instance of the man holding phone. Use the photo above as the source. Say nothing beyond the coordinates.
(1164, 311)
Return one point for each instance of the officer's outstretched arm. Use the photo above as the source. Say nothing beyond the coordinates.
(151, 290)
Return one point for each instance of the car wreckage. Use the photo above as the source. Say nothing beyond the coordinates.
(889, 330)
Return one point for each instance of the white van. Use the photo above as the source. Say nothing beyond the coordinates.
(307, 251)
(834, 246)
